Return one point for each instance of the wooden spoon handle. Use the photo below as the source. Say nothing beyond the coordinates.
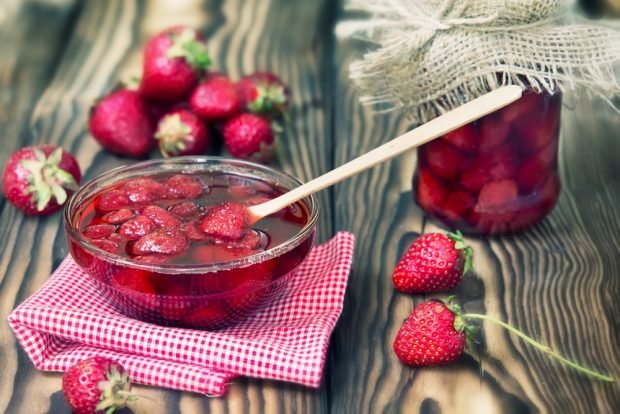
(439, 126)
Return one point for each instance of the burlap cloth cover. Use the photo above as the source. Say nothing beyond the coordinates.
(429, 56)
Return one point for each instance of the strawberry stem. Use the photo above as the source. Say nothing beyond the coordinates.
(468, 252)
(539, 346)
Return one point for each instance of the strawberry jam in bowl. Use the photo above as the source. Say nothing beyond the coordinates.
(162, 242)
(495, 175)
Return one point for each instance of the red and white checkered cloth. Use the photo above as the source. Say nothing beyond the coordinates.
(67, 320)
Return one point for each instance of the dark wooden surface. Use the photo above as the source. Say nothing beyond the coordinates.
(559, 281)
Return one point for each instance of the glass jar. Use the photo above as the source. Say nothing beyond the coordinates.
(495, 175)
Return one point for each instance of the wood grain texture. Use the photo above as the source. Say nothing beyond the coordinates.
(557, 281)
(81, 52)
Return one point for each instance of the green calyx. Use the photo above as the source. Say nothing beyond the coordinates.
(269, 99)
(468, 252)
(459, 322)
(185, 45)
(47, 179)
(173, 135)
(115, 391)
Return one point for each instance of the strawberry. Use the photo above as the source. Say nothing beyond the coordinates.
(444, 159)
(144, 190)
(161, 217)
(137, 227)
(180, 132)
(493, 132)
(429, 190)
(184, 186)
(121, 123)
(152, 258)
(98, 231)
(215, 99)
(173, 62)
(112, 200)
(496, 164)
(39, 179)
(118, 216)
(226, 221)
(249, 136)
(170, 241)
(456, 205)
(537, 168)
(192, 232)
(537, 131)
(186, 210)
(434, 262)
(264, 93)
(497, 197)
(135, 280)
(106, 245)
(464, 138)
(435, 334)
(527, 105)
(431, 335)
(97, 385)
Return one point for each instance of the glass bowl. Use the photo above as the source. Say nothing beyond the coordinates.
(205, 296)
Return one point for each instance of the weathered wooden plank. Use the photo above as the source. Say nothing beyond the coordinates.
(103, 46)
(556, 281)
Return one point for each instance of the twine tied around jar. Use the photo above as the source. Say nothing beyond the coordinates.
(434, 55)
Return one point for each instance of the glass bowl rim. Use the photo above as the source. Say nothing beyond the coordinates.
(300, 237)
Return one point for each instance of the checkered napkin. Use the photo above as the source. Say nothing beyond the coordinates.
(67, 320)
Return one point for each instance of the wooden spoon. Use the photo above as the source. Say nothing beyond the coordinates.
(439, 126)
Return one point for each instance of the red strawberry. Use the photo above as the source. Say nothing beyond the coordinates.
(170, 241)
(118, 216)
(537, 168)
(135, 280)
(186, 210)
(537, 131)
(121, 123)
(105, 245)
(496, 164)
(180, 132)
(39, 179)
(527, 105)
(434, 262)
(497, 197)
(444, 159)
(173, 62)
(112, 200)
(137, 227)
(161, 217)
(184, 186)
(435, 334)
(493, 132)
(144, 190)
(249, 136)
(215, 99)
(96, 385)
(264, 93)
(456, 205)
(429, 190)
(432, 335)
(98, 231)
(226, 221)
(191, 231)
(464, 138)
(152, 258)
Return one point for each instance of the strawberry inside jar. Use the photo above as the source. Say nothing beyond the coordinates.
(497, 174)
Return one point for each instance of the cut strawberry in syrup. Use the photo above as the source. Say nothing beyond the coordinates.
(497, 197)
(444, 159)
(161, 217)
(494, 165)
(137, 227)
(186, 210)
(536, 169)
(144, 190)
(456, 205)
(493, 132)
(429, 190)
(169, 241)
(98, 231)
(524, 107)
(226, 221)
(464, 138)
(119, 216)
(184, 186)
(112, 200)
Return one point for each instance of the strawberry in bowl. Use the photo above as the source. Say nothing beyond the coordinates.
(161, 240)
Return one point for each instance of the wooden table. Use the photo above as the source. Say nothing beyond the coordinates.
(559, 281)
